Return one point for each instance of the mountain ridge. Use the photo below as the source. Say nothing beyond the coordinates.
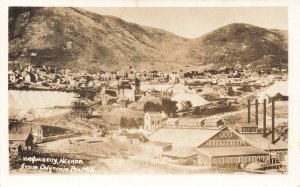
(84, 40)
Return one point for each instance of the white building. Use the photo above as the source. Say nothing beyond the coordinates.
(153, 120)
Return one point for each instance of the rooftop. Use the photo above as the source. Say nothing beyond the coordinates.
(213, 120)
(247, 125)
(187, 120)
(184, 137)
(265, 143)
(280, 87)
(111, 93)
(172, 120)
(133, 135)
(18, 136)
(158, 144)
(179, 154)
(231, 151)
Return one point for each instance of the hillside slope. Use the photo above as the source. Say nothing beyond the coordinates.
(241, 43)
(80, 39)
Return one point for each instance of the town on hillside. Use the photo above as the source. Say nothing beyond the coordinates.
(216, 121)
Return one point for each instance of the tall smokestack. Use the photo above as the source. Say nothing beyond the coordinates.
(265, 118)
(273, 121)
(248, 110)
(256, 112)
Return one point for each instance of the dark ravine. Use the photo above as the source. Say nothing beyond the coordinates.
(80, 39)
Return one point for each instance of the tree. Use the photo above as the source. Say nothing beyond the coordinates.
(152, 107)
(132, 123)
(169, 107)
(129, 123)
(123, 122)
(189, 104)
(140, 122)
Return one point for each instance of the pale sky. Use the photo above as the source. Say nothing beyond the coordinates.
(194, 22)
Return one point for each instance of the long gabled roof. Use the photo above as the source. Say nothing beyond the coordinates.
(184, 137)
(277, 88)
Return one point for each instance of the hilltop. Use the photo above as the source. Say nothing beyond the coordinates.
(242, 43)
(80, 39)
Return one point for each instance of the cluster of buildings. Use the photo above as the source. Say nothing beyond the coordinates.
(210, 142)
(46, 77)
(183, 140)
(130, 85)
(233, 77)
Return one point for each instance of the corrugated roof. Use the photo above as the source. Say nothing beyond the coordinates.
(231, 151)
(184, 137)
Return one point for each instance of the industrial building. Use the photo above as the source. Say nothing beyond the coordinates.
(210, 142)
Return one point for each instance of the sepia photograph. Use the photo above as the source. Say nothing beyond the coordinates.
(148, 90)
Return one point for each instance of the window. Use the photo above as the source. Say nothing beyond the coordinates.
(225, 134)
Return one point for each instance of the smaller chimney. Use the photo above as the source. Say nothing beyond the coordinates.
(248, 110)
(265, 118)
(273, 121)
(256, 112)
